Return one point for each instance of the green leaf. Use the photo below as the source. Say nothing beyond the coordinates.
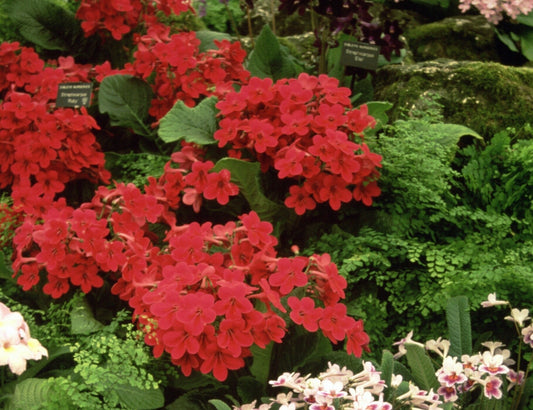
(207, 39)
(458, 318)
(249, 389)
(30, 394)
(526, 19)
(527, 394)
(126, 99)
(270, 59)
(5, 269)
(260, 367)
(82, 321)
(197, 124)
(387, 366)
(219, 404)
(378, 110)
(192, 400)
(246, 176)
(139, 399)
(526, 43)
(44, 23)
(453, 133)
(507, 40)
(422, 369)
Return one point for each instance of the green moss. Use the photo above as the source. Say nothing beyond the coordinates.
(486, 97)
(459, 38)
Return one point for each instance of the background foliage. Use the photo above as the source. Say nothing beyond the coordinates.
(454, 218)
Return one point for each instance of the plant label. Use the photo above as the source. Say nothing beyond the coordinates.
(74, 95)
(361, 55)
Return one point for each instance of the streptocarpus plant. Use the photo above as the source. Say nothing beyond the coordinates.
(305, 130)
(203, 293)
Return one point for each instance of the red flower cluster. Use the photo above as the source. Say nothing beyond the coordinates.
(202, 293)
(177, 70)
(218, 290)
(119, 17)
(42, 147)
(307, 130)
(73, 246)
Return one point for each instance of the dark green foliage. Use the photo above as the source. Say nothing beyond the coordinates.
(270, 59)
(51, 28)
(219, 16)
(454, 218)
(135, 167)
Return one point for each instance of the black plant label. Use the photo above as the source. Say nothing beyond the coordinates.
(74, 94)
(361, 55)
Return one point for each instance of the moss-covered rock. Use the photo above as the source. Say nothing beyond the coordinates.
(484, 96)
(457, 38)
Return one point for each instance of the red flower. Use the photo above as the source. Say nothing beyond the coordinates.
(290, 274)
(334, 322)
(219, 362)
(56, 287)
(258, 231)
(234, 335)
(219, 187)
(198, 310)
(299, 199)
(258, 90)
(357, 340)
(304, 312)
(86, 277)
(334, 190)
(365, 193)
(260, 132)
(329, 117)
(234, 300)
(288, 162)
(180, 342)
(29, 276)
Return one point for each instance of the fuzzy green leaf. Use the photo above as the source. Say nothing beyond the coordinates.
(387, 366)
(197, 124)
(458, 318)
(82, 321)
(422, 369)
(270, 59)
(219, 404)
(249, 388)
(139, 399)
(126, 99)
(29, 394)
(207, 39)
(44, 23)
(260, 367)
(453, 133)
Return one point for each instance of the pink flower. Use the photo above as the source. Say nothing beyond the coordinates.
(492, 301)
(16, 344)
(451, 372)
(492, 387)
(527, 332)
